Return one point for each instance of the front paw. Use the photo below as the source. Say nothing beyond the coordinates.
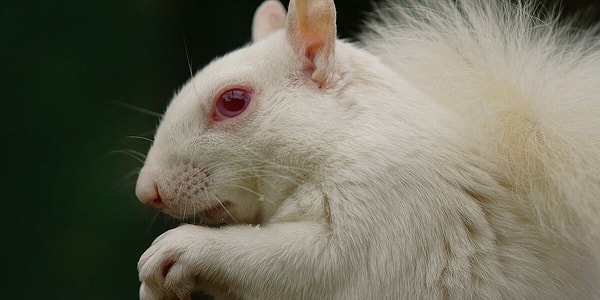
(169, 268)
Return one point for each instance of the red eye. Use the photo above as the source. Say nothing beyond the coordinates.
(231, 104)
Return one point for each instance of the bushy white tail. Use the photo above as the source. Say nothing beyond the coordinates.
(527, 86)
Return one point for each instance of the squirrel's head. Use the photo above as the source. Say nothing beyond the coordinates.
(240, 135)
(251, 126)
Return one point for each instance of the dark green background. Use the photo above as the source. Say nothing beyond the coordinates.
(71, 226)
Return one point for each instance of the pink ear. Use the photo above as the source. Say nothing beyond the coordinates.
(268, 18)
(312, 32)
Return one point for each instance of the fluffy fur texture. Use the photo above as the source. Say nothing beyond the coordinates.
(452, 153)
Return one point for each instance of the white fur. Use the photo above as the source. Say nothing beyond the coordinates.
(457, 157)
(269, 17)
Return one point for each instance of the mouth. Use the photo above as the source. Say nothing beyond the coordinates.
(218, 214)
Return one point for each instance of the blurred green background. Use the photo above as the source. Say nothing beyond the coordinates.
(71, 71)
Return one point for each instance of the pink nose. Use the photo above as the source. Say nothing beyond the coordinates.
(146, 191)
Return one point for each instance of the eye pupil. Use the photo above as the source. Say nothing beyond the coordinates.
(234, 101)
(231, 104)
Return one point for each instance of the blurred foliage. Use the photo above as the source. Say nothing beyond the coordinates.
(72, 228)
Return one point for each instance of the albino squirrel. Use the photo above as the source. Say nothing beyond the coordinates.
(453, 152)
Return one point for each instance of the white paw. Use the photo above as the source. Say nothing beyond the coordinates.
(169, 268)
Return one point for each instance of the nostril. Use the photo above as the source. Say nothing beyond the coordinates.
(157, 201)
(152, 197)
(147, 192)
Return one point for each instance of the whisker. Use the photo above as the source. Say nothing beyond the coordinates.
(152, 222)
(280, 166)
(179, 189)
(270, 168)
(223, 163)
(189, 62)
(227, 211)
(221, 204)
(140, 157)
(254, 171)
(263, 173)
(139, 154)
(263, 165)
(140, 138)
(193, 213)
(148, 133)
(260, 196)
(123, 181)
(274, 164)
(138, 109)
(234, 179)
(185, 204)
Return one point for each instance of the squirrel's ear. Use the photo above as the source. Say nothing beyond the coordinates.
(311, 30)
(268, 18)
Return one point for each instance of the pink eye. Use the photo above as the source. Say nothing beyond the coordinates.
(231, 104)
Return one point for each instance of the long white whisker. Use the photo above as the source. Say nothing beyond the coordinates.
(153, 221)
(274, 164)
(258, 163)
(189, 62)
(138, 109)
(227, 211)
(148, 133)
(179, 189)
(123, 181)
(292, 170)
(139, 154)
(224, 163)
(185, 204)
(283, 177)
(246, 189)
(264, 173)
(140, 138)
(131, 153)
(208, 194)
(271, 164)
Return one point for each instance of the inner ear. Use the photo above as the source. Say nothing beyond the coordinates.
(268, 18)
(312, 33)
